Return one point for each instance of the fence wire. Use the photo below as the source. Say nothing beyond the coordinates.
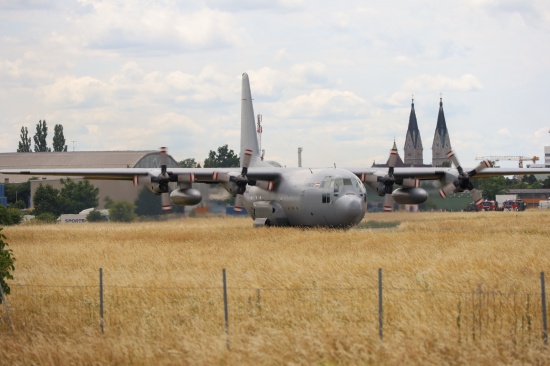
(471, 310)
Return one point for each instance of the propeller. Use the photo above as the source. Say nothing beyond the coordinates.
(463, 181)
(242, 181)
(163, 180)
(389, 180)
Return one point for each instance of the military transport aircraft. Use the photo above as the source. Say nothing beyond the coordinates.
(293, 196)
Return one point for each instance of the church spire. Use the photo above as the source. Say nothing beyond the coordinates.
(442, 143)
(413, 143)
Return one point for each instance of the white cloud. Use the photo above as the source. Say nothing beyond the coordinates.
(324, 103)
(158, 26)
(79, 91)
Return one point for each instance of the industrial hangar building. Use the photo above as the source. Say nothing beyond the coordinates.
(116, 190)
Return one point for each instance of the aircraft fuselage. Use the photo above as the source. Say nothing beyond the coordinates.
(309, 197)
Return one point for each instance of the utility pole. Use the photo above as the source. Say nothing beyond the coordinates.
(300, 157)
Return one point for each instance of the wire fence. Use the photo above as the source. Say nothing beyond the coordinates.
(386, 304)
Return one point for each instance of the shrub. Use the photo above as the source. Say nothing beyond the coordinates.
(96, 216)
(10, 216)
(122, 211)
(6, 264)
(46, 217)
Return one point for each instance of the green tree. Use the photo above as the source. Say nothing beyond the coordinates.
(25, 143)
(10, 216)
(148, 204)
(40, 143)
(189, 163)
(6, 264)
(46, 199)
(224, 158)
(18, 194)
(72, 198)
(76, 197)
(58, 139)
(491, 186)
(122, 211)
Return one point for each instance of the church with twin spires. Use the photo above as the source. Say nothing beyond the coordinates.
(413, 143)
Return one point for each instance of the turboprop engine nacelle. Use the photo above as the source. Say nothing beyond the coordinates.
(185, 197)
(230, 187)
(449, 177)
(410, 196)
(377, 187)
(147, 182)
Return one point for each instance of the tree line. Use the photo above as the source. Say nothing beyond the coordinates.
(40, 139)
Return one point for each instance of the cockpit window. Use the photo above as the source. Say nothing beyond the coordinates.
(340, 182)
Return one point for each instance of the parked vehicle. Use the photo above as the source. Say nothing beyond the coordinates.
(513, 205)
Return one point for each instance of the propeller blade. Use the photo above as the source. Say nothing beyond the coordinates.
(484, 164)
(163, 160)
(238, 206)
(411, 183)
(141, 179)
(392, 161)
(388, 202)
(369, 178)
(247, 158)
(166, 204)
(447, 190)
(186, 178)
(220, 176)
(265, 184)
(476, 195)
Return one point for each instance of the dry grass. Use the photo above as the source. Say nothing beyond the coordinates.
(459, 288)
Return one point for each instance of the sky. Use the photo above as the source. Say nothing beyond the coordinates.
(334, 77)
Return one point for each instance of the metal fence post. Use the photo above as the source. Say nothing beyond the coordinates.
(380, 304)
(101, 323)
(543, 296)
(225, 308)
(5, 301)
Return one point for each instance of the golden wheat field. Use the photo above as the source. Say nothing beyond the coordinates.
(457, 288)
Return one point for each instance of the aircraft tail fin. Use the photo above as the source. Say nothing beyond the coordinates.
(249, 137)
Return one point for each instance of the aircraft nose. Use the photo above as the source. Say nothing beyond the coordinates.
(350, 210)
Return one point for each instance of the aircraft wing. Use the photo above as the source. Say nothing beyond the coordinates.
(201, 175)
(429, 173)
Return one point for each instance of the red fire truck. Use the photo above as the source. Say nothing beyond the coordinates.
(488, 206)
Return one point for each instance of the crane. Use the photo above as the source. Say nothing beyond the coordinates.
(519, 159)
